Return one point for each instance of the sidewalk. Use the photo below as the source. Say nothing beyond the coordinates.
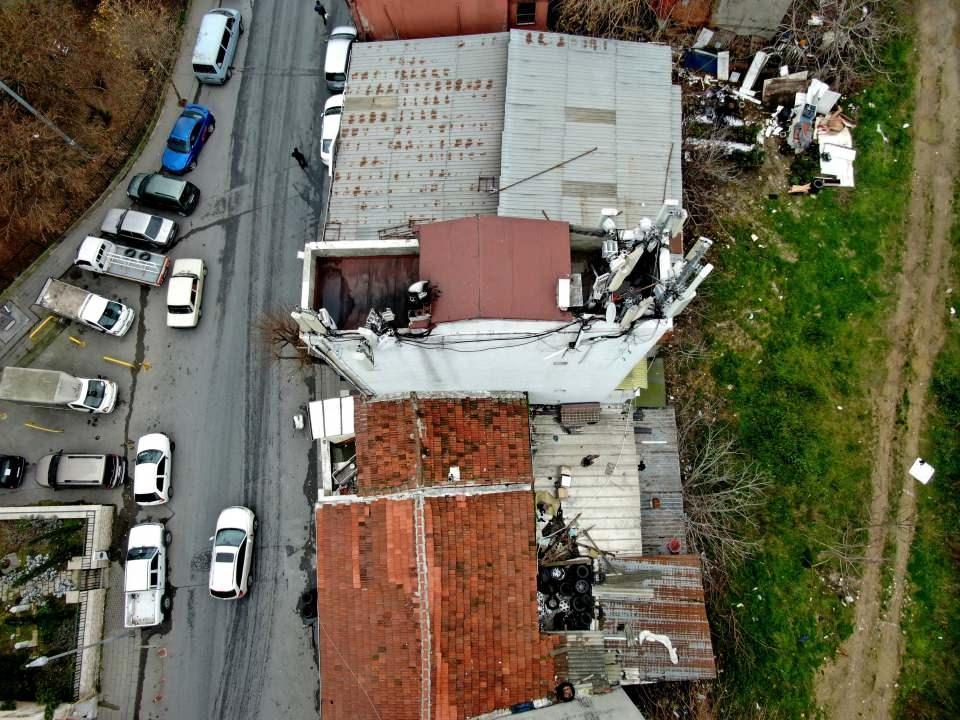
(17, 300)
(120, 659)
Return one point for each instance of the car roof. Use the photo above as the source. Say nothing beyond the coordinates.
(178, 292)
(208, 37)
(234, 517)
(135, 221)
(183, 127)
(222, 573)
(162, 185)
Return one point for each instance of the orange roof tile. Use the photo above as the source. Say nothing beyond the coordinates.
(469, 644)
(413, 442)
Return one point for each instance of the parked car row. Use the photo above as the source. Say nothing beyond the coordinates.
(145, 572)
(335, 67)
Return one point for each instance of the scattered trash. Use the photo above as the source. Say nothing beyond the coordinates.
(879, 130)
(905, 126)
(921, 471)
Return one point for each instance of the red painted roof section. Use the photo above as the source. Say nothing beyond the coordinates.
(494, 267)
(411, 443)
(485, 648)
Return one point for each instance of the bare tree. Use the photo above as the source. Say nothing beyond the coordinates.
(707, 168)
(839, 40)
(721, 494)
(614, 19)
(281, 334)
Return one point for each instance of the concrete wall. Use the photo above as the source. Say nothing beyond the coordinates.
(494, 362)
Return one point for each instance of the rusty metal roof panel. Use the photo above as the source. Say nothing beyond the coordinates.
(567, 95)
(422, 123)
(662, 595)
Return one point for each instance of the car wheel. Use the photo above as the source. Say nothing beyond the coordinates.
(256, 524)
(165, 603)
(241, 26)
(167, 537)
(173, 446)
(170, 493)
(192, 165)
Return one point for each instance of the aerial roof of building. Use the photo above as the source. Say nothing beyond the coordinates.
(422, 613)
(492, 267)
(421, 125)
(416, 441)
(440, 128)
(567, 95)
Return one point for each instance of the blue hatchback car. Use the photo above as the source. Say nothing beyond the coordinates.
(195, 124)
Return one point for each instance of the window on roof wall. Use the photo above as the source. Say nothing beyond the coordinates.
(488, 183)
(526, 13)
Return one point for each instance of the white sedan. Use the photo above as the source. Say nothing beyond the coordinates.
(151, 474)
(330, 129)
(185, 293)
(232, 553)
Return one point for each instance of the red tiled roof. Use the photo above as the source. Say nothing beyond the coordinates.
(480, 619)
(495, 267)
(410, 443)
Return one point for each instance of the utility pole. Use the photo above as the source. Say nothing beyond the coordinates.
(43, 659)
(40, 116)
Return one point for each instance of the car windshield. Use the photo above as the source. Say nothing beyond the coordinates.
(6, 467)
(111, 314)
(178, 145)
(153, 227)
(335, 110)
(224, 557)
(230, 537)
(223, 593)
(141, 553)
(146, 497)
(326, 146)
(95, 392)
(149, 457)
(179, 309)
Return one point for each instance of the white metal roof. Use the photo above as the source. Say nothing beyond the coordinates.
(421, 124)
(568, 94)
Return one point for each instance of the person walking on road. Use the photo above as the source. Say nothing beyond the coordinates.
(300, 158)
(321, 11)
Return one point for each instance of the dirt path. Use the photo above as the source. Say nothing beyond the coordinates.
(860, 682)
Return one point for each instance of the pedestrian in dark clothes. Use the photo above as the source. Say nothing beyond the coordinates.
(321, 11)
(299, 157)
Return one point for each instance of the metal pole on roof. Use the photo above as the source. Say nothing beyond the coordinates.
(554, 167)
(40, 116)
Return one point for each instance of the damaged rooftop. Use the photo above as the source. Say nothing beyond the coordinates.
(443, 128)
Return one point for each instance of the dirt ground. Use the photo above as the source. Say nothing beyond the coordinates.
(860, 682)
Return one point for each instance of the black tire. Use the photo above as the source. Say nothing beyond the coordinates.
(192, 165)
(173, 446)
(241, 25)
(167, 537)
(256, 524)
(166, 603)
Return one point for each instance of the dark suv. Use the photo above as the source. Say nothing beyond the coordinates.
(164, 192)
(11, 470)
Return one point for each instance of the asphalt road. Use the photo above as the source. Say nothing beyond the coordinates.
(214, 389)
(228, 404)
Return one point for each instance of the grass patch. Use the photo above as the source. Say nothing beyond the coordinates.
(929, 684)
(796, 321)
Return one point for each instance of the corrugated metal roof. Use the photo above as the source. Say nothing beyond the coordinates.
(422, 122)
(663, 595)
(608, 503)
(567, 94)
(656, 439)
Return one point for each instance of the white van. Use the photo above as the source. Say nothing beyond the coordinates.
(216, 46)
(338, 57)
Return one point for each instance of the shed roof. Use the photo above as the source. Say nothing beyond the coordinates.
(413, 441)
(492, 267)
(663, 595)
(422, 121)
(567, 95)
(422, 613)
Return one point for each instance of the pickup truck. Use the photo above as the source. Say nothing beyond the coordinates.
(145, 576)
(90, 309)
(57, 389)
(110, 258)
